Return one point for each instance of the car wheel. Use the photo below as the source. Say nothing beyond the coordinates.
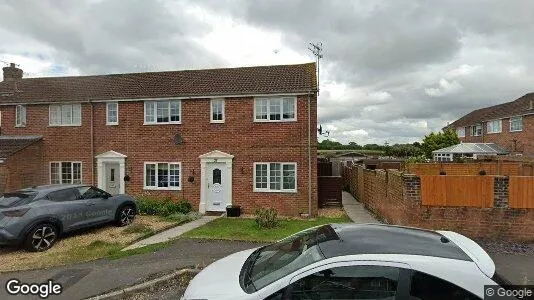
(41, 238)
(125, 215)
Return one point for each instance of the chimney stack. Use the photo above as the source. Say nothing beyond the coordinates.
(12, 73)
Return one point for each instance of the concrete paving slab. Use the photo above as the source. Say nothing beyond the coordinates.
(172, 233)
(355, 210)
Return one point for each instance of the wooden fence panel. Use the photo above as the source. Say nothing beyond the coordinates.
(476, 191)
(521, 192)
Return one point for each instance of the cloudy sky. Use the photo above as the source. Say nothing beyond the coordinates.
(392, 70)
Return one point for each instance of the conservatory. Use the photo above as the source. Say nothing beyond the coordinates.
(468, 151)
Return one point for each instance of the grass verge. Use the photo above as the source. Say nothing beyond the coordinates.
(247, 230)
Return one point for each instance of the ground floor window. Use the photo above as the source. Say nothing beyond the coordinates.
(162, 176)
(275, 177)
(66, 172)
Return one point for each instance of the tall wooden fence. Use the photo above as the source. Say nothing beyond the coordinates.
(470, 168)
(521, 192)
(474, 191)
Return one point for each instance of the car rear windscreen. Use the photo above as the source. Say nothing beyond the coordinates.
(16, 198)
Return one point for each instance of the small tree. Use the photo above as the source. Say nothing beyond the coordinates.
(435, 141)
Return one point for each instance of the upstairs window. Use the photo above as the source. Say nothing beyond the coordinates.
(163, 112)
(275, 109)
(65, 115)
(112, 113)
(476, 130)
(460, 131)
(495, 126)
(217, 110)
(20, 116)
(516, 124)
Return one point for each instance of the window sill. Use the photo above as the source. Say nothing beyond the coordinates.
(163, 123)
(217, 121)
(493, 132)
(148, 188)
(69, 125)
(112, 124)
(516, 130)
(20, 126)
(276, 191)
(275, 121)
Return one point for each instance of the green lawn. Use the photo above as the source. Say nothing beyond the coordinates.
(247, 230)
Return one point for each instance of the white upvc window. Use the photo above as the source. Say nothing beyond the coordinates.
(275, 109)
(476, 130)
(275, 177)
(516, 124)
(460, 131)
(65, 114)
(494, 126)
(112, 113)
(217, 111)
(20, 116)
(163, 112)
(65, 172)
(163, 176)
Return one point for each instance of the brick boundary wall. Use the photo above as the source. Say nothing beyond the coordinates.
(395, 197)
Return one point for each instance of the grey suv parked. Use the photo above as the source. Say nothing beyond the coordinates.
(35, 217)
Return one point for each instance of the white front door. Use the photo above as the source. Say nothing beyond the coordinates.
(112, 178)
(217, 185)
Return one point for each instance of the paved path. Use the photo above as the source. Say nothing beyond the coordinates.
(89, 279)
(355, 210)
(172, 233)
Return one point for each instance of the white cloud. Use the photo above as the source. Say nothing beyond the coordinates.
(444, 88)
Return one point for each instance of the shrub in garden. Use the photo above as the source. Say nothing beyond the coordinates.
(266, 218)
(161, 206)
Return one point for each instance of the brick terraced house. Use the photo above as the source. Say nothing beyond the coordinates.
(242, 136)
(509, 125)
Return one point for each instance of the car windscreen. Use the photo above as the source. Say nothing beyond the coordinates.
(275, 261)
(16, 198)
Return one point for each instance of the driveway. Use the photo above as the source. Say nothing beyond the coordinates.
(89, 279)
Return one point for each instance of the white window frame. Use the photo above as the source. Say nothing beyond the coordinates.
(72, 106)
(474, 130)
(460, 130)
(268, 189)
(212, 101)
(20, 116)
(155, 122)
(490, 125)
(61, 168)
(168, 188)
(281, 99)
(520, 119)
(108, 122)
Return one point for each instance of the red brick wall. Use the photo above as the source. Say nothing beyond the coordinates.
(26, 168)
(3, 178)
(396, 198)
(525, 138)
(248, 141)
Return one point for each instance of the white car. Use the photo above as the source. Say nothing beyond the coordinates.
(349, 261)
